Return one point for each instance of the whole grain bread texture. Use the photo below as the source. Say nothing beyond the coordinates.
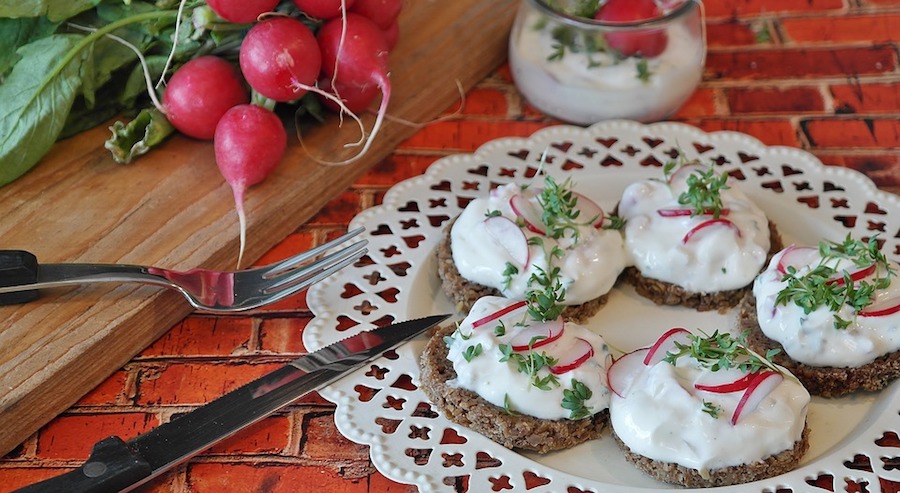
(824, 381)
(672, 473)
(513, 431)
(665, 293)
(465, 293)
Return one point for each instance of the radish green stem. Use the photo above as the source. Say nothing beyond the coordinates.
(162, 76)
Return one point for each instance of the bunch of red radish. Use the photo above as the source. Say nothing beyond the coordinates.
(281, 59)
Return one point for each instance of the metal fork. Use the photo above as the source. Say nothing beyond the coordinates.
(215, 291)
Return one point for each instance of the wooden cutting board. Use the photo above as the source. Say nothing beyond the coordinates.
(172, 209)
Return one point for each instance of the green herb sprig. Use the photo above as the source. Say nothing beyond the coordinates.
(721, 351)
(704, 189)
(574, 399)
(530, 363)
(819, 287)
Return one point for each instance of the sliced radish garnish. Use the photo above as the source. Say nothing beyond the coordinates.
(797, 257)
(509, 236)
(762, 384)
(665, 344)
(510, 310)
(621, 373)
(537, 335)
(856, 275)
(574, 357)
(725, 388)
(881, 307)
(589, 210)
(709, 223)
(529, 212)
(688, 212)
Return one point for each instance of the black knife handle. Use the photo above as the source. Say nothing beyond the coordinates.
(18, 267)
(112, 467)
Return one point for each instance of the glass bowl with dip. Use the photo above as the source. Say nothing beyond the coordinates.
(582, 70)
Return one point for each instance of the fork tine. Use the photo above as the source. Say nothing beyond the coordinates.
(299, 279)
(291, 262)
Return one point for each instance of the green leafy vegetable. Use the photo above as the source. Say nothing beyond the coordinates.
(132, 139)
(721, 351)
(574, 399)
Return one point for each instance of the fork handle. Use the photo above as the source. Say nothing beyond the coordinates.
(21, 275)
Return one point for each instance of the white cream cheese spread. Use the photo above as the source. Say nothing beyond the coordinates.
(500, 241)
(844, 337)
(702, 253)
(499, 354)
(687, 414)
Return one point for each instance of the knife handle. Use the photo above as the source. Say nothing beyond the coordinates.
(112, 466)
(18, 267)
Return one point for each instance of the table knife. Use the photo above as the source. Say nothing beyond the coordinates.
(117, 465)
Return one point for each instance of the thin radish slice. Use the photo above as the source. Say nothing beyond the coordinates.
(761, 386)
(881, 307)
(726, 388)
(573, 357)
(680, 175)
(528, 212)
(508, 236)
(590, 210)
(709, 223)
(856, 275)
(797, 257)
(622, 372)
(688, 212)
(537, 335)
(510, 310)
(666, 343)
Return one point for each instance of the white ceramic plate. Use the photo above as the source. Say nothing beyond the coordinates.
(853, 439)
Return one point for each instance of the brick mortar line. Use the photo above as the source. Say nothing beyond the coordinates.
(234, 458)
(851, 11)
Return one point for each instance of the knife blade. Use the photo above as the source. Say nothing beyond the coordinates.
(116, 465)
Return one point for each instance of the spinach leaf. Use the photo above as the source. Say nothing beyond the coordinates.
(55, 10)
(36, 98)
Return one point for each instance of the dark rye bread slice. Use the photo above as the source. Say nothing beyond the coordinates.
(665, 293)
(468, 409)
(465, 293)
(768, 467)
(824, 381)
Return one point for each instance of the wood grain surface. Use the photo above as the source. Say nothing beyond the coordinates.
(172, 209)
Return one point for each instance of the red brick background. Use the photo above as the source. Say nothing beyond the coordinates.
(816, 74)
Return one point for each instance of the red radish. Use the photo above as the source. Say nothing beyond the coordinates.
(725, 388)
(200, 92)
(665, 344)
(355, 57)
(856, 275)
(512, 309)
(620, 374)
(241, 11)
(574, 357)
(688, 212)
(761, 386)
(646, 42)
(279, 58)
(510, 237)
(382, 12)
(797, 257)
(706, 224)
(392, 34)
(249, 143)
(881, 307)
(590, 210)
(528, 211)
(324, 9)
(356, 98)
(537, 335)
(680, 175)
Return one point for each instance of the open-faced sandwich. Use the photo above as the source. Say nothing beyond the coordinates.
(834, 310)
(521, 240)
(694, 238)
(521, 379)
(702, 410)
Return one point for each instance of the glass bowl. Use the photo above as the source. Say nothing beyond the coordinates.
(582, 71)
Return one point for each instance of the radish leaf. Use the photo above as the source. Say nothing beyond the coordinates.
(36, 98)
